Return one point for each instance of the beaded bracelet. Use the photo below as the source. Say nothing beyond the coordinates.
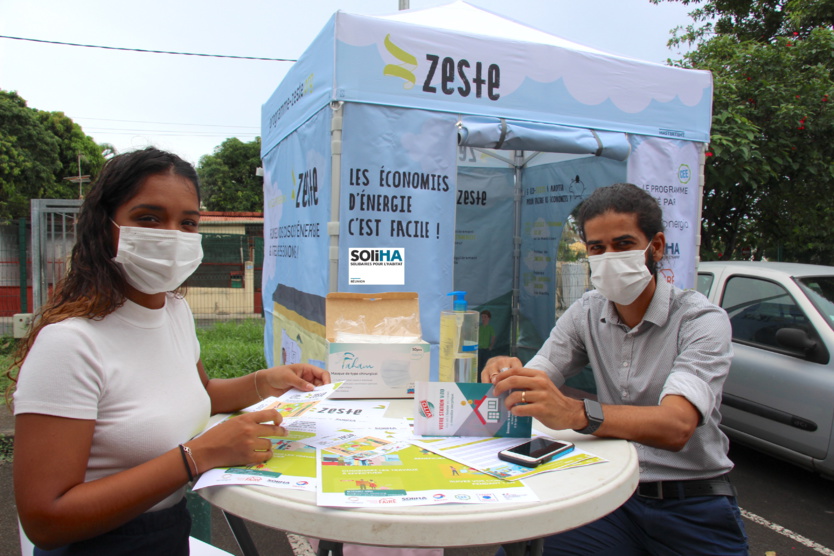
(256, 385)
(183, 450)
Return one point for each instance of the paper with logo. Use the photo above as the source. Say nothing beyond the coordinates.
(350, 410)
(373, 435)
(295, 402)
(482, 454)
(465, 409)
(409, 476)
(292, 465)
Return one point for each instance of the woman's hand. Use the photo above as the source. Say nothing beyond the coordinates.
(277, 380)
(241, 440)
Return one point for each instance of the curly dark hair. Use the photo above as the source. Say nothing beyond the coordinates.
(94, 286)
(623, 198)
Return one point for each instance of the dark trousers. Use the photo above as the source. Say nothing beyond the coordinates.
(162, 533)
(700, 525)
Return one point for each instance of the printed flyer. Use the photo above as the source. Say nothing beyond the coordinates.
(406, 475)
(482, 454)
(292, 465)
(465, 409)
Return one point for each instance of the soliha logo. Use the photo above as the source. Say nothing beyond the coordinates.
(376, 255)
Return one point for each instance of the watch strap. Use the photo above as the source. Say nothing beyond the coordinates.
(592, 408)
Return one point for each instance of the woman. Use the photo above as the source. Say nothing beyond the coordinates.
(111, 387)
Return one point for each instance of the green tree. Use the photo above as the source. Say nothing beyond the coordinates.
(73, 144)
(28, 156)
(228, 177)
(37, 151)
(770, 169)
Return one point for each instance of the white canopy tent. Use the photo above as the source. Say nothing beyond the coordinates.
(443, 149)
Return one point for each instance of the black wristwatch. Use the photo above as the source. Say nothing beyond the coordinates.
(593, 411)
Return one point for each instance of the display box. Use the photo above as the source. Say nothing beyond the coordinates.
(374, 344)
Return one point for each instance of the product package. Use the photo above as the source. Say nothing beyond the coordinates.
(465, 409)
(374, 344)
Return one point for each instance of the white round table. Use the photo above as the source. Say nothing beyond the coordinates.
(568, 499)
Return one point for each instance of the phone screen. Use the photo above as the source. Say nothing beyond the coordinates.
(538, 447)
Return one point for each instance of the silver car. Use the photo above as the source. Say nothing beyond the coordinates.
(779, 395)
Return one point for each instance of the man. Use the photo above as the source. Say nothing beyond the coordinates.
(660, 356)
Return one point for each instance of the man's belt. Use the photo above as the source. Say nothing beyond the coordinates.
(660, 490)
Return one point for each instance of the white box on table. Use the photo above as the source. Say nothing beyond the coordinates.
(371, 369)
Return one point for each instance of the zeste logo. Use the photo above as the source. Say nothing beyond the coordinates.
(445, 73)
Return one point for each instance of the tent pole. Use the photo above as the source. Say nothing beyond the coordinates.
(702, 163)
(335, 191)
(518, 164)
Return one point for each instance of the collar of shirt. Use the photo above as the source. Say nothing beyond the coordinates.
(657, 312)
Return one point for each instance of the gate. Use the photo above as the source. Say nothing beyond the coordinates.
(53, 235)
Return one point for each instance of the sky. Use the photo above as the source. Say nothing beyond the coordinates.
(191, 104)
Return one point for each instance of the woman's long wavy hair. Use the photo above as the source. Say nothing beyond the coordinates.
(94, 286)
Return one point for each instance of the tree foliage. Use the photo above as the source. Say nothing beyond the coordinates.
(770, 168)
(228, 177)
(37, 151)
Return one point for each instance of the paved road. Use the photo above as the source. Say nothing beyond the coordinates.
(787, 511)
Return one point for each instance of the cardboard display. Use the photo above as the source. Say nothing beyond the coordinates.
(370, 369)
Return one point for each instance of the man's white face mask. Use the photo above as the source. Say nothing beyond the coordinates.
(154, 260)
(621, 276)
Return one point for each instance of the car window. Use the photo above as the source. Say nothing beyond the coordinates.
(758, 308)
(820, 290)
(704, 283)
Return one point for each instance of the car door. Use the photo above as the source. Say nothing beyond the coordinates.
(772, 393)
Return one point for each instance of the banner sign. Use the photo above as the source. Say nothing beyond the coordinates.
(397, 206)
(295, 274)
(669, 171)
(550, 192)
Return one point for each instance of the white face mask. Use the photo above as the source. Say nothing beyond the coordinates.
(154, 260)
(621, 276)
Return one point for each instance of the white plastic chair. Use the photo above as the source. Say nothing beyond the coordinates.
(26, 546)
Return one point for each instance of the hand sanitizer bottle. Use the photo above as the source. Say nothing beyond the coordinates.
(458, 342)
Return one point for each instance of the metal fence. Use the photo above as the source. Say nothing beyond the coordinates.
(226, 286)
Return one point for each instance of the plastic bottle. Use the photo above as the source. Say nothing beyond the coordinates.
(458, 342)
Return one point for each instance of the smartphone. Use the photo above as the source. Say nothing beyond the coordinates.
(535, 452)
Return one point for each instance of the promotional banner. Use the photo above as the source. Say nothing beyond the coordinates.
(550, 192)
(295, 274)
(483, 253)
(484, 232)
(669, 171)
(397, 207)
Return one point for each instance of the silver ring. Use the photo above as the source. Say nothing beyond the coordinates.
(523, 392)
(502, 369)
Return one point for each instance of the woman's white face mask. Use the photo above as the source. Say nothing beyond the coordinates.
(154, 260)
(621, 276)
